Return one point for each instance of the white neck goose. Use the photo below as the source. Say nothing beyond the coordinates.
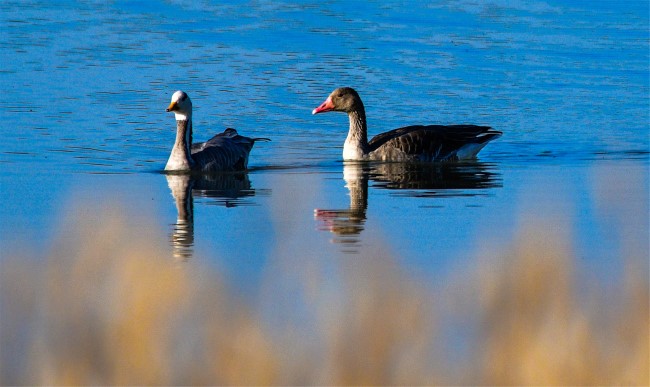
(227, 151)
(410, 143)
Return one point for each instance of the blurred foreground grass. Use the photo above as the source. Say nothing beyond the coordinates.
(104, 311)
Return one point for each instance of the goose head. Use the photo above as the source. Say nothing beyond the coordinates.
(181, 105)
(343, 99)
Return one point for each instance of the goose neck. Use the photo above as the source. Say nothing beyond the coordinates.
(180, 158)
(184, 134)
(358, 127)
(356, 145)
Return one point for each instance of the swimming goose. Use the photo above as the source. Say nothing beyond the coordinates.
(227, 151)
(410, 143)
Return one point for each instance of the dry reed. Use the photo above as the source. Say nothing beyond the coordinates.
(106, 309)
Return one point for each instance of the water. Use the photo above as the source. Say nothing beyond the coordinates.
(85, 88)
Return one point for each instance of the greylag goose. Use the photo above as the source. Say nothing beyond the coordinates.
(227, 151)
(410, 143)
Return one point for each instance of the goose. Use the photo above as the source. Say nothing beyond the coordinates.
(227, 151)
(411, 143)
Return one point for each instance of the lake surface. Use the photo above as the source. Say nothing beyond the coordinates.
(85, 87)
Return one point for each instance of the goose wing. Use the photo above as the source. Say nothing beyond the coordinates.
(227, 151)
(431, 142)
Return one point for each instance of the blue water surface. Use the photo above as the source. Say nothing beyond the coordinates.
(85, 87)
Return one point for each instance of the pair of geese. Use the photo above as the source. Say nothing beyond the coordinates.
(228, 151)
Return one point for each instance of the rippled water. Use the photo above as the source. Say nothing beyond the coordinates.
(85, 88)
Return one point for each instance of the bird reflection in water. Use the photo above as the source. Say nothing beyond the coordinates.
(227, 189)
(411, 179)
(348, 223)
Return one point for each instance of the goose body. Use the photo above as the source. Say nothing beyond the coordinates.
(411, 143)
(227, 151)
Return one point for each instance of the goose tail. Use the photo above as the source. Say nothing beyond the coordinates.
(488, 136)
(470, 150)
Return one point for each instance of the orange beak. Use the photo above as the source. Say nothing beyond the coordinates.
(171, 107)
(324, 107)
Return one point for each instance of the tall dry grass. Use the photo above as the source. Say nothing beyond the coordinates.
(105, 308)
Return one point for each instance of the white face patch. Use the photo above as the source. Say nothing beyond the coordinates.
(183, 109)
(180, 116)
(177, 96)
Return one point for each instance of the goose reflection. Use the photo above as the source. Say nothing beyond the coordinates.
(409, 179)
(349, 222)
(227, 189)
